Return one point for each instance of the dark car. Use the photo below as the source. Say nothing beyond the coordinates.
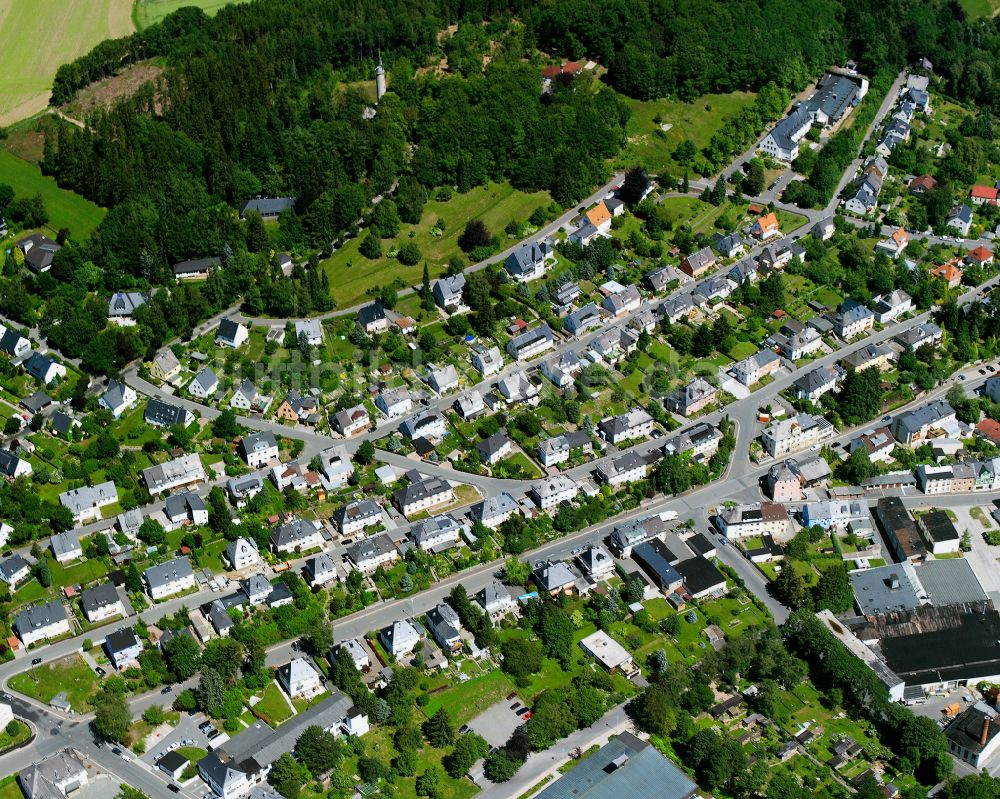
(463, 729)
(515, 705)
(36, 661)
(167, 690)
(100, 672)
(511, 695)
(523, 712)
(173, 788)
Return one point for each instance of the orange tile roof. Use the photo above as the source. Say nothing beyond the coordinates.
(980, 255)
(923, 182)
(768, 222)
(990, 428)
(599, 214)
(949, 272)
(899, 236)
(984, 192)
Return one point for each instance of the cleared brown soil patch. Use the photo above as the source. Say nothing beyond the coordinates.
(104, 93)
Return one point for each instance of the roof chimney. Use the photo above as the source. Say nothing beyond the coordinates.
(986, 731)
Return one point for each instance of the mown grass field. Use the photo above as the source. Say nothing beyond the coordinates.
(70, 674)
(980, 8)
(66, 209)
(37, 36)
(351, 274)
(652, 147)
(149, 12)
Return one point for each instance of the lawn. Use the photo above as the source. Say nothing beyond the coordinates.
(466, 700)
(9, 788)
(192, 753)
(10, 741)
(37, 36)
(651, 147)
(66, 209)
(979, 8)
(273, 706)
(677, 211)
(71, 675)
(352, 275)
(149, 12)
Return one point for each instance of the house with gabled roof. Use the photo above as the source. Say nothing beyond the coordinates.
(231, 334)
(204, 385)
(448, 293)
(41, 622)
(529, 261)
(39, 250)
(698, 263)
(351, 421)
(766, 227)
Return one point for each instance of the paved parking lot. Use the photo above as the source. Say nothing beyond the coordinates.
(983, 557)
(187, 730)
(497, 722)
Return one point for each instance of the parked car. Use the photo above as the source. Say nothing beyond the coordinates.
(524, 712)
(173, 788)
(36, 661)
(166, 690)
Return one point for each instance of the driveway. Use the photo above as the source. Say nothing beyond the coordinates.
(497, 722)
(186, 730)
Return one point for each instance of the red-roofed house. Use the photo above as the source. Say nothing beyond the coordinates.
(765, 227)
(950, 273)
(990, 429)
(980, 256)
(922, 184)
(982, 195)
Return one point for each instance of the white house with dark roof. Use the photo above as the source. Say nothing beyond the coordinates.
(531, 343)
(469, 405)
(204, 385)
(85, 503)
(44, 369)
(373, 318)
(231, 334)
(244, 488)
(563, 369)
(297, 535)
(554, 577)
(12, 466)
(166, 579)
(258, 449)
(423, 493)
(583, 320)
(448, 293)
(118, 398)
(13, 343)
(246, 397)
(626, 468)
(165, 414)
(622, 302)
(187, 470)
(528, 262)
(351, 421)
(494, 511)
(55, 777)
(496, 601)
(399, 638)
(554, 490)
(357, 515)
(368, 554)
(488, 361)
(101, 602)
(596, 562)
(425, 424)
(66, 546)
(242, 553)
(634, 424)
(299, 679)
(123, 648)
(320, 570)
(395, 402)
(41, 622)
(14, 569)
(436, 533)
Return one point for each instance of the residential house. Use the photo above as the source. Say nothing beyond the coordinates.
(717, 287)
(777, 255)
(469, 405)
(494, 511)
(894, 244)
(494, 448)
(554, 491)
(85, 503)
(394, 402)
(562, 370)
(231, 333)
(118, 398)
(529, 261)
(448, 293)
(368, 554)
(54, 777)
(756, 367)
(424, 424)
(357, 515)
(890, 307)
(657, 561)
(269, 208)
(980, 256)
(554, 578)
(939, 532)
(123, 648)
(181, 472)
(798, 345)
(351, 421)
(247, 398)
(701, 440)
(204, 385)
(242, 553)
(353, 649)
(185, 508)
(565, 295)
(766, 227)
(163, 414)
(782, 141)
(38, 251)
(62, 424)
(400, 638)
(783, 484)
(422, 493)
(692, 398)
(960, 218)
(242, 489)
(928, 421)
(728, 245)
(445, 627)
(878, 356)
(442, 379)
(45, 370)
(298, 535)
(11, 466)
(101, 602)
(913, 338)
(852, 320)
(320, 570)
(698, 263)
(622, 302)
(488, 361)
(824, 229)
(659, 279)
(14, 569)
(984, 195)
(517, 388)
(628, 535)
(630, 426)
(299, 679)
(879, 444)
(13, 343)
(583, 320)
(373, 319)
(258, 449)
(922, 184)
(596, 562)
(296, 407)
(311, 330)
(66, 546)
(626, 468)
(167, 579)
(531, 343)
(335, 467)
(496, 601)
(436, 533)
(784, 436)
(41, 623)
(556, 450)
(758, 518)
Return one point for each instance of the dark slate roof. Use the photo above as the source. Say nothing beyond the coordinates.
(194, 266)
(162, 413)
(267, 206)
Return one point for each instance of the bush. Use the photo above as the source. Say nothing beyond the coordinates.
(13, 728)
(409, 254)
